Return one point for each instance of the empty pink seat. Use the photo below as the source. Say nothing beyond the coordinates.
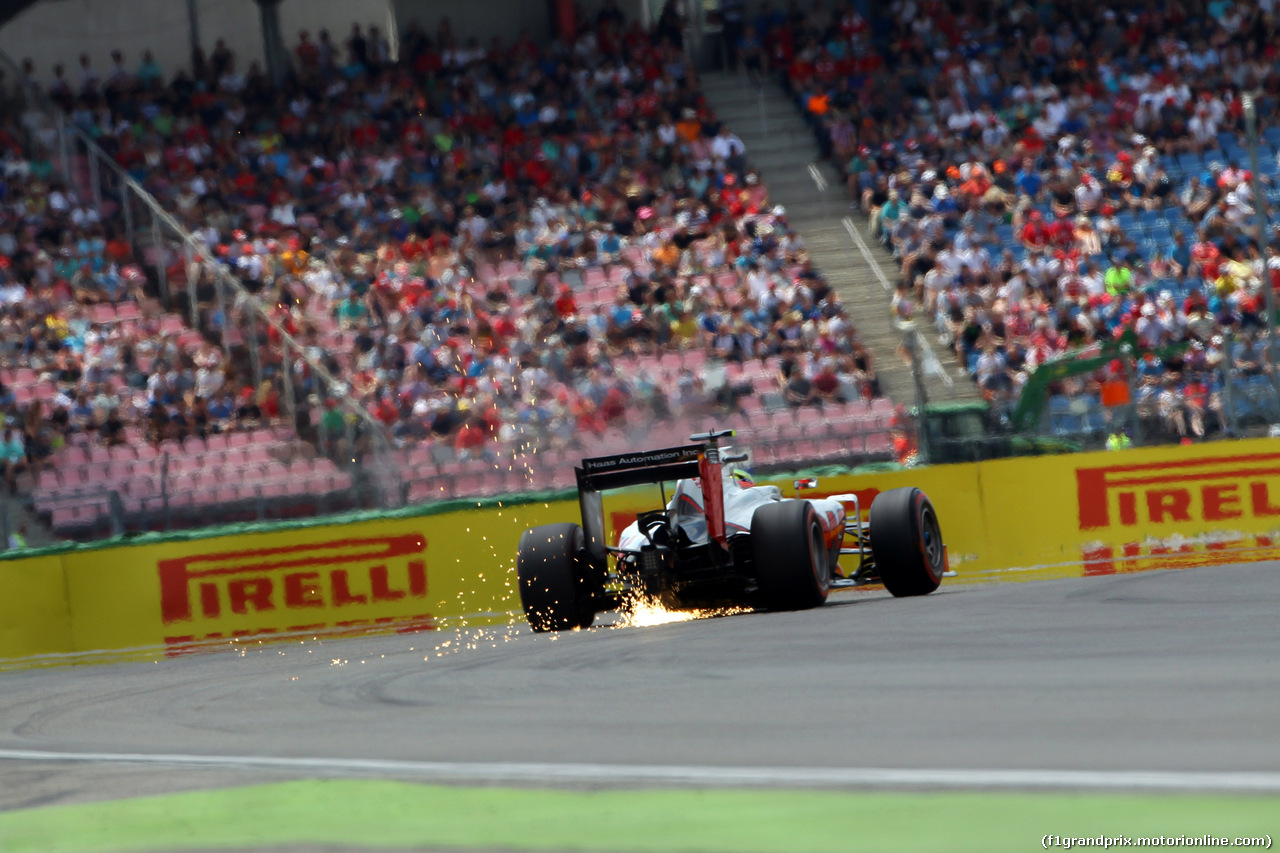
(64, 518)
(252, 474)
(878, 443)
(142, 487)
(421, 491)
(74, 456)
(184, 464)
(273, 490)
(832, 448)
(265, 435)
(207, 480)
(123, 453)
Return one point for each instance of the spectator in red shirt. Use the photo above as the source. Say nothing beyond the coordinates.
(1035, 234)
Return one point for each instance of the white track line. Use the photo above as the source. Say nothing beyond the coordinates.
(818, 181)
(633, 774)
(931, 363)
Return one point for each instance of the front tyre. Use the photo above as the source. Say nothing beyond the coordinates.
(790, 554)
(906, 542)
(551, 569)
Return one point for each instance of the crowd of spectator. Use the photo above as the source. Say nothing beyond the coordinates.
(1051, 175)
(488, 243)
(479, 241)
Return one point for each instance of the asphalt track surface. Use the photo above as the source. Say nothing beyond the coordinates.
(1159, 671)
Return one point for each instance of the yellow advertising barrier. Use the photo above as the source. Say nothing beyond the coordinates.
(34, 618)
(1051, 516)
(1100, 513)
(380, 575)
(400, 572)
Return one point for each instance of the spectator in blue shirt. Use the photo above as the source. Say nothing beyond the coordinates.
(1028, 181)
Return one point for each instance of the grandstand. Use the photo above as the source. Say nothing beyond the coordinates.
(1053, 198)
(410, 272)
(517, 272)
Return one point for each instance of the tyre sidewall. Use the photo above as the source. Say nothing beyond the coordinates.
(791, 574)
(549, 569)
(898, 545)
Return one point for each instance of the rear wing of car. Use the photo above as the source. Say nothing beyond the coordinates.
(603, 473)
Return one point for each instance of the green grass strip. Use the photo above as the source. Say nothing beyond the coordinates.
(373, 814)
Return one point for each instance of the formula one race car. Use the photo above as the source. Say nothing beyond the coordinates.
(734, 544)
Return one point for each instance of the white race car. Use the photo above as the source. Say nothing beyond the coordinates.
(735, 544)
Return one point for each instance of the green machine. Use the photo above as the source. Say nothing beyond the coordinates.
(971, 431)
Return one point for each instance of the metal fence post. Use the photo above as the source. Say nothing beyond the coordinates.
(95, 178)
(126, 201)
(287, 391)
(1135, 417)
(162, 272)
(164, 492)
(62, 148)
(348, 430)
(255, 360)
(322, 431)
(115, 508)
(220, 293)
(1228, 393)
(193, 306)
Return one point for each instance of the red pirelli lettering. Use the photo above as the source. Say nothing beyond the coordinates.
(245, 591)
(302, 589)
(358, 571)
(1221, 502)
(1169, 504)
(1168, 491)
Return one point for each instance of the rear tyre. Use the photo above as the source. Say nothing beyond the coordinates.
(906, 542)
(790, 554)
(551, 571)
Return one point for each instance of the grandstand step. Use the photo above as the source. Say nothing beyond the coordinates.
(820, 216)
(764, 125)
(780, 142)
